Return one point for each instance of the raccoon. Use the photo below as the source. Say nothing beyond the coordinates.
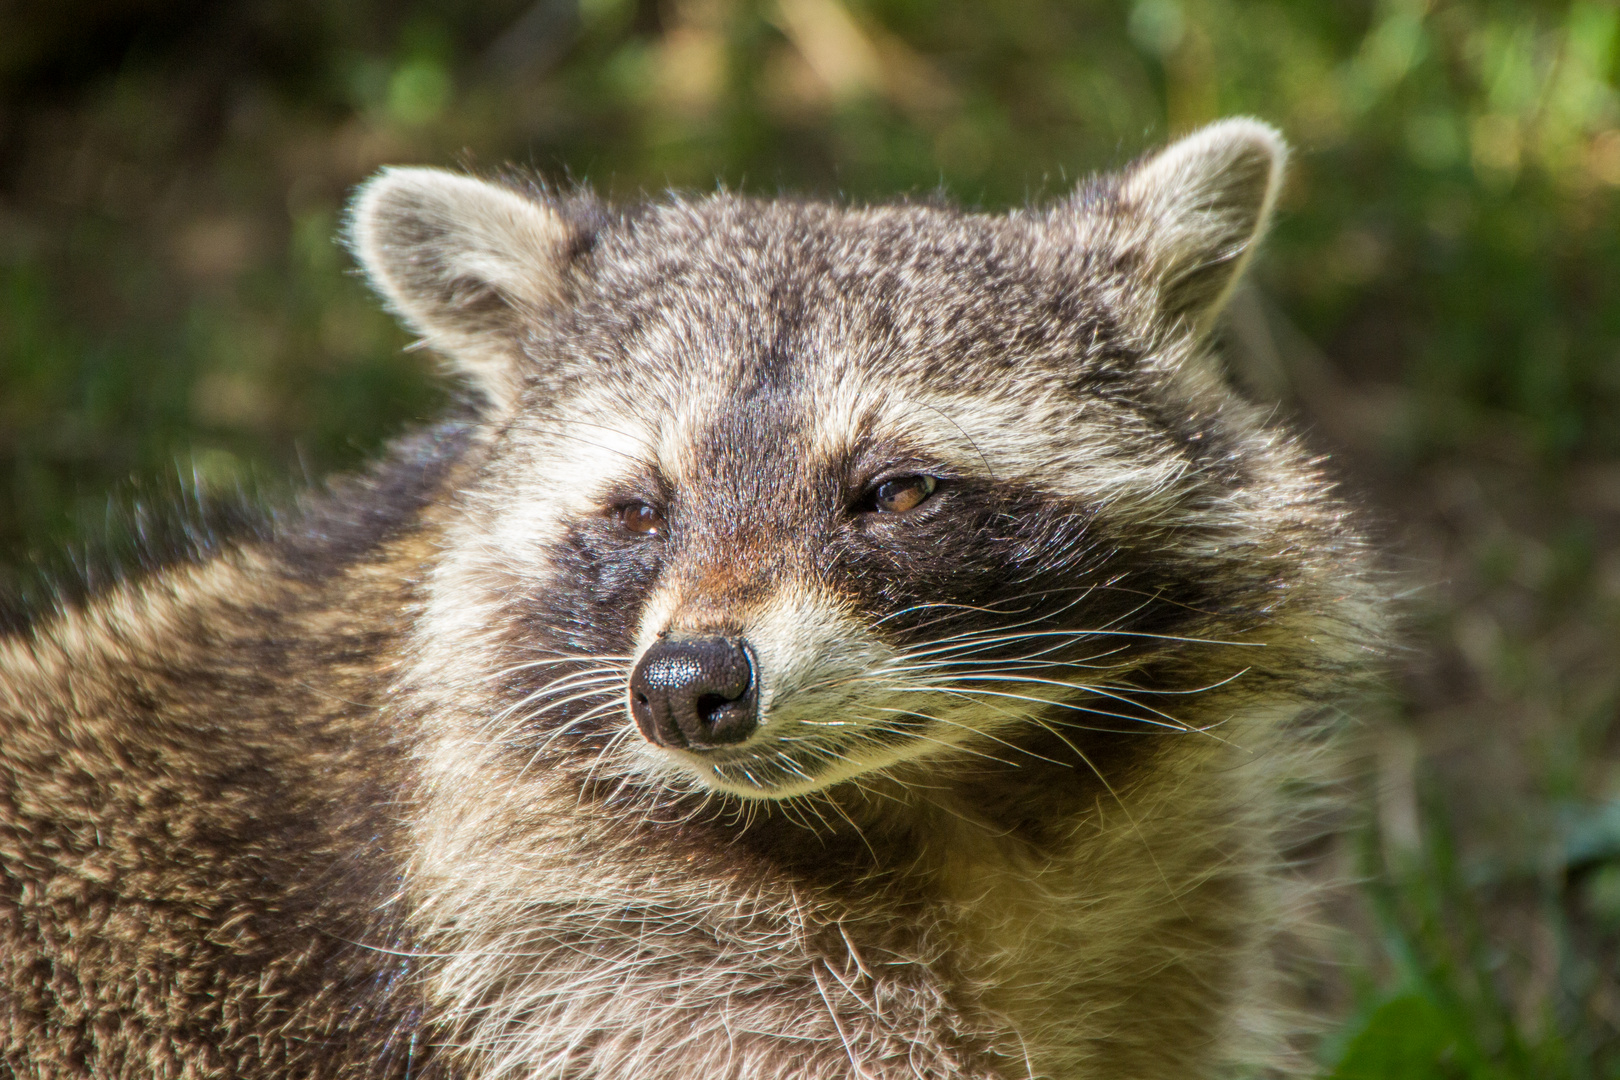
(835, 641)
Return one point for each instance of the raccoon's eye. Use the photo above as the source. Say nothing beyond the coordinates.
(902, 493)
(639, 517)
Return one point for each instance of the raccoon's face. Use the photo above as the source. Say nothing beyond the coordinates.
(775, 495)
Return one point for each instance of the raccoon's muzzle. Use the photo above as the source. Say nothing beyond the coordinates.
(695, 692)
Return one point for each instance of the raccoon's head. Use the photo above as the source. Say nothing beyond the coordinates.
(775, 494)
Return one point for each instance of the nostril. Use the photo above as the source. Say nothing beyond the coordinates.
(709, 705)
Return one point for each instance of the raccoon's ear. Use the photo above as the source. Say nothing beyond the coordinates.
(1192, 214)
(465, 263)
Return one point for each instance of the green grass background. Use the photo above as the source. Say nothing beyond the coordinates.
(1439, 306)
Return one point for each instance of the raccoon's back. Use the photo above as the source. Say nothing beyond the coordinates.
(198, 854)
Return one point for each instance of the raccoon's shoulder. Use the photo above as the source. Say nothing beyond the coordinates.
(250, 661)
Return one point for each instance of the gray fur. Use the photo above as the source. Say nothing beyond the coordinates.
(364, 799)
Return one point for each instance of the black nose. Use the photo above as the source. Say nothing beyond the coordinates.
(695, 692)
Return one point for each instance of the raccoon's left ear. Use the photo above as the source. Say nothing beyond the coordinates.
(1187, 219)
(468, 264)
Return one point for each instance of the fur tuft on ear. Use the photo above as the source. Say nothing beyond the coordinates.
(465, 263)
(1195, 212)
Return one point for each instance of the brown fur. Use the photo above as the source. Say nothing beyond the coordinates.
(359, 798)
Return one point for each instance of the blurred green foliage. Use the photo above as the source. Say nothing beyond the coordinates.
(1440, 304)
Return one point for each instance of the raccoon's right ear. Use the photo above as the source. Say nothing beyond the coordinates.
(465, 263)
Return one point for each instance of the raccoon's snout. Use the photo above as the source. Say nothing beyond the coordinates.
(695, 693)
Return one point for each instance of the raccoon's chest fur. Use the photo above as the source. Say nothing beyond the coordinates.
(940, 943)
(863, 643)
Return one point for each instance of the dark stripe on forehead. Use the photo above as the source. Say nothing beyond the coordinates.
(744, 512)
(749, 461)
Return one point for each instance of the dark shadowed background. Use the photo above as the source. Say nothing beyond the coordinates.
(1439, 304)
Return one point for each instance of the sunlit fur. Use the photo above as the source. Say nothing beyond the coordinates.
(361, 796)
